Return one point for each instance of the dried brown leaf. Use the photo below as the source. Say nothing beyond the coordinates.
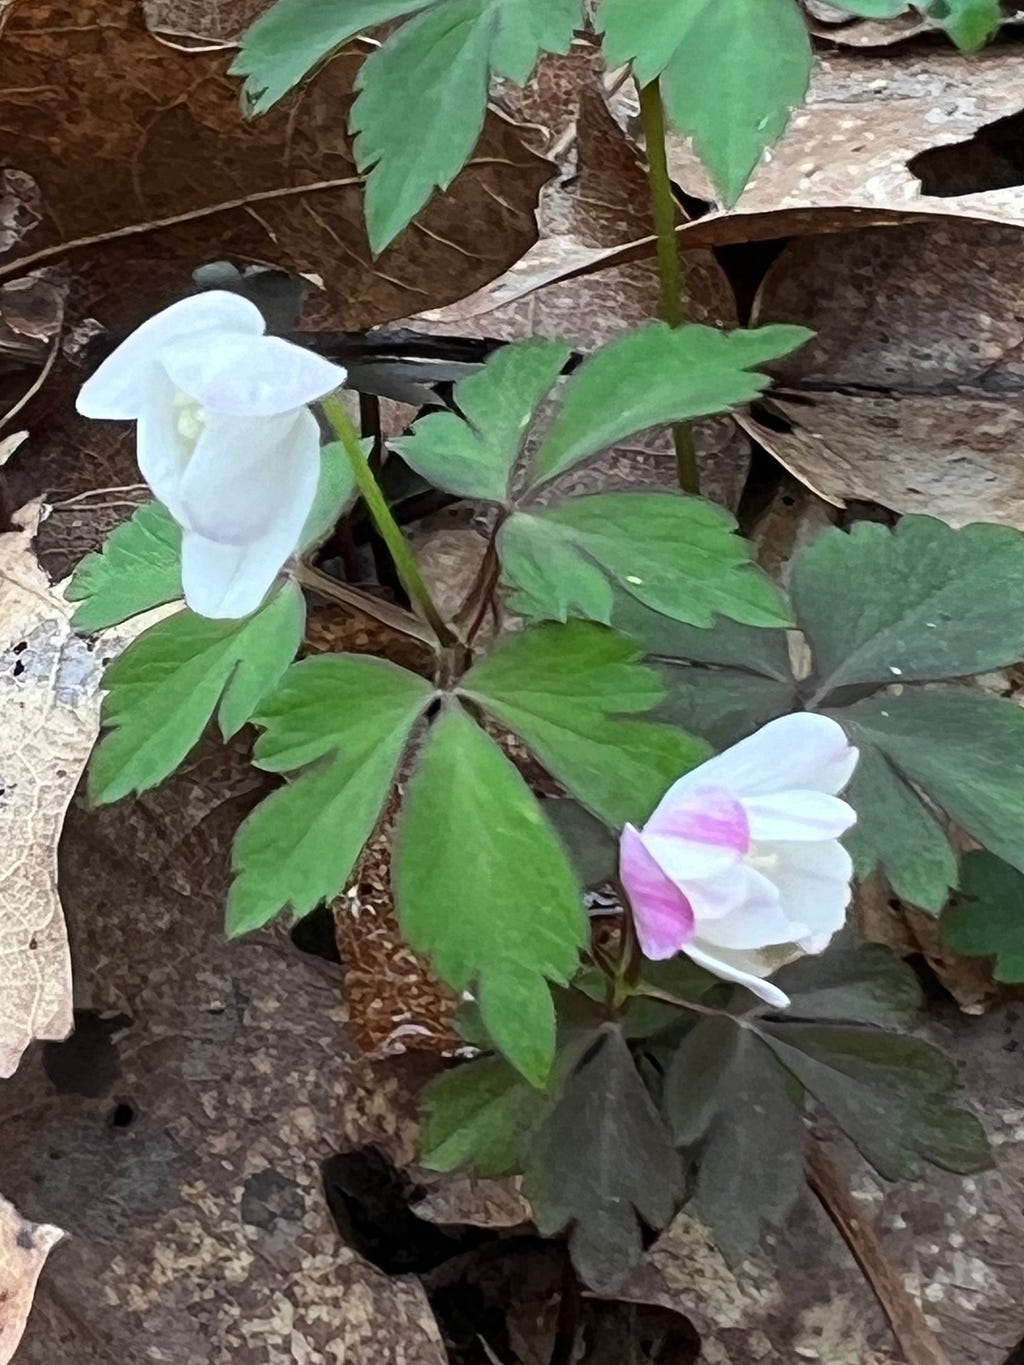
(24, 1248)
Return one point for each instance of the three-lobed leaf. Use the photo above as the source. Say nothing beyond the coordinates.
(345, 720)
(163, 690)
(480, 1116)
(138, 568)
(484, 887)
(989, 919)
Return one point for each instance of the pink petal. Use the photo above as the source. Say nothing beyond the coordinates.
(662, 914)
(799, 816)
(703, 815)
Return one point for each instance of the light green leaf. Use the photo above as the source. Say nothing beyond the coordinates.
(676, 554)
(164, 688)
(990, 920)
(423, 96)
(473, 455)
(896, 832)
(334, 492)
(350, 717)
(138, 568)
(964, 750)
(654, 375)
(910, 605)
(601, 1159)
(970, 23)
(558, 688)
(485, 888)
(479, 1116)
(731, 71)
(294, 36)
(891, 1095)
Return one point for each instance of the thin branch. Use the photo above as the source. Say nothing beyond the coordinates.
(395, 617)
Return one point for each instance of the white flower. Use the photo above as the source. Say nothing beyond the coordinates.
(741, 865)
(226, 440)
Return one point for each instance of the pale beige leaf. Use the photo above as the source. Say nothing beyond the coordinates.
(24, 1248)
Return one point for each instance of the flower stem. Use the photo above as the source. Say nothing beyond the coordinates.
(391, 533)
(670, 268)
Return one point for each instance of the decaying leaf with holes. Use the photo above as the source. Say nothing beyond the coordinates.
(24, 1248)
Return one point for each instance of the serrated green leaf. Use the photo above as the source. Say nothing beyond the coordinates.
(676, 554)
(423, 96)
(484, 887)
(865, 984)
(990, 920)
(473, 455)
(759, 650)
(138, 568)
(479, 1116)
(335, 490)
(558, 688)
(654, 375)
(601, 1158)
(890, 1094)
(294, 36)
(163, 690)
(351, 717)
(963, 749)
(895, 831)
(910, 605)
(725, 1091)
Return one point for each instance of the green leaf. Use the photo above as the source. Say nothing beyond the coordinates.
(473, 455)
(872, 9)
(865, 984)
(294, 36)
(558, 688)
(423, 96)
(350, 717)
(485, 888)
(162, 691)
(895, 831)
(964, 750)
(335, 490)
(138, 568)
(910, 605)
(676, 554)
(726, 1095)
(990, 921)
(970, 23)
(654, 375)
(591, 845)
(600, 1160)
(890, 1094)
(480, 1116)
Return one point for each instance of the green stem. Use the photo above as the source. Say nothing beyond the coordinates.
(670, 267)
(391, 533)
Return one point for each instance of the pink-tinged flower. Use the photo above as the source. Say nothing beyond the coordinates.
(740, 867)
(226, 439)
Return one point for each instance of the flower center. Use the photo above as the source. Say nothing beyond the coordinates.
(190, 418)
(761, 860)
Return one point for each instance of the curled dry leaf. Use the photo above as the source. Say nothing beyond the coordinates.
(910, 393)
(24, 1248)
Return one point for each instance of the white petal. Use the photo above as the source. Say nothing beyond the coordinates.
(118, 389)
(715, 897)
(747, 969)
(757, 920)
(161, 450)
(802, 816)
(245, 376)
(229, 581)
(686, 860)
(249, 474)
(814, 884)
(802, 751)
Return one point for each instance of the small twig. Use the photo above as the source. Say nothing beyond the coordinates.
(100, 493)
(480, 597)
(396, 617)
(916, 1339)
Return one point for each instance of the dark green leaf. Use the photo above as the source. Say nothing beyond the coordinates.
(725, 1091)
(910, 605)
(164, 688)
(474, 455)
(138, 568)
(990, 922)
(866, 984)
(676, 554)
(758, 650)
(591, 845)
(896, 832)
(653, 375)
(294, 36)
(485, 888)
(601, 1158)
(963, 749)
(480, 1116)
(890, 1094)
(558, 687)
(423, 96)
(351, 717)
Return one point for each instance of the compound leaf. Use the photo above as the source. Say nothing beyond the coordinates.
(852, 984)
(138, 568)
(480, 1116)
(989, 922)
